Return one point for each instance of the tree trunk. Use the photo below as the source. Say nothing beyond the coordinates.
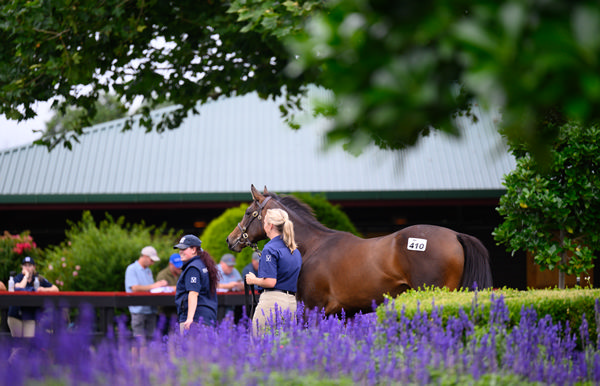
(563, 260)
(561, 280)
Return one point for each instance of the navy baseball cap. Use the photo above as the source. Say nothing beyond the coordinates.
(175, 259)
(28, 259)
(188, 241)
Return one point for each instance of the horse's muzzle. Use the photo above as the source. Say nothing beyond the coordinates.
(236, 246)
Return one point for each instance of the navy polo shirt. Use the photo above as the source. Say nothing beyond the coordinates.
(277, 262)
(194, 277)
(27, 313)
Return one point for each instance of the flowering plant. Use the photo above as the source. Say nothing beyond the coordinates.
(65, 271)
(12, 250)
(310, 348)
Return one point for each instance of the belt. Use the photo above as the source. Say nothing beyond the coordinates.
(278, 290)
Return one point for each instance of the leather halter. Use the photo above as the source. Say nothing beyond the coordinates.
(244, 235)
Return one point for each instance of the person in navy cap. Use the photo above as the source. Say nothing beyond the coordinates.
(22, 320)
(196, 293)
(171, 272)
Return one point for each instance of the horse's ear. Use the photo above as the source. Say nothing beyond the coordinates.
(256, 194)
(265, 191)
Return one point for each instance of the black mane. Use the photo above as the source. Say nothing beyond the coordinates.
(300, 209)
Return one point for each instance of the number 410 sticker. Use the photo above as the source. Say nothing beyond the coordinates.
(415, 244)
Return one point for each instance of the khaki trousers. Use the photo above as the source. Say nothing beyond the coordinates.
(265, 308)
(21, 328)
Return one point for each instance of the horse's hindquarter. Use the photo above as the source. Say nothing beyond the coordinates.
(434, 257)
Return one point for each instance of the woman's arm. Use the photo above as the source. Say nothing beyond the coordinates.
(53, 288)
(21, 283)
(192, 304)
(265, 282)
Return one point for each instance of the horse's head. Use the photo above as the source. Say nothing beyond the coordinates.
(250, 230)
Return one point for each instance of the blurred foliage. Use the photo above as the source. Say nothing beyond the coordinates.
(13, 248)
(107, 108)
(552, 210)
(213, 237)
(397, 69)
(182, 53)
(94, 256)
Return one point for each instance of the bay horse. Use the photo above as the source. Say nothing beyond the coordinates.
(341, 271)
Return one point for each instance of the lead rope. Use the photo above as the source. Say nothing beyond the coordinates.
(247, 287)
(250, 308)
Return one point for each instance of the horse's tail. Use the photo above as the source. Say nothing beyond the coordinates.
(477, 263)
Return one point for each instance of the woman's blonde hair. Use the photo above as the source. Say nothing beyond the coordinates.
(280, 219)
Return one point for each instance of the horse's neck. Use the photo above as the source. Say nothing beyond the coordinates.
(308, 236)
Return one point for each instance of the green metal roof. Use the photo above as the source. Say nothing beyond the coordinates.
(236, 142)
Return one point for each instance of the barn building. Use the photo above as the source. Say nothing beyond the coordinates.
(187, 177)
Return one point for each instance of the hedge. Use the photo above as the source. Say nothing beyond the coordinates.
(562, 305)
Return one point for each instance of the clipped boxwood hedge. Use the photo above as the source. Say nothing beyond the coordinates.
(567, 305)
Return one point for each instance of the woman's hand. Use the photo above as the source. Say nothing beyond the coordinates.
(187, 324)
(250, 278)
(24, 281)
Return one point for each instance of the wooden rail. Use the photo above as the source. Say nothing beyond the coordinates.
(106, 303)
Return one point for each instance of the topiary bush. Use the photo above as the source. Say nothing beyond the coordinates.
(94, 256)
(213, 238)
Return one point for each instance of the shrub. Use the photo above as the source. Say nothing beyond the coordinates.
(94, 257)
(12, 250)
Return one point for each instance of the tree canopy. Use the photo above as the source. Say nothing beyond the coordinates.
(553, 211)
(108, 107)
(397, 69)
(183, 52)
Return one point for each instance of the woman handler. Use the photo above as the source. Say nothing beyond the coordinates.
(196, 290)
(21, 320)
(278, 268)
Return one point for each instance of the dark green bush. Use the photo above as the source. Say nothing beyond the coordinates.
(94, 257)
